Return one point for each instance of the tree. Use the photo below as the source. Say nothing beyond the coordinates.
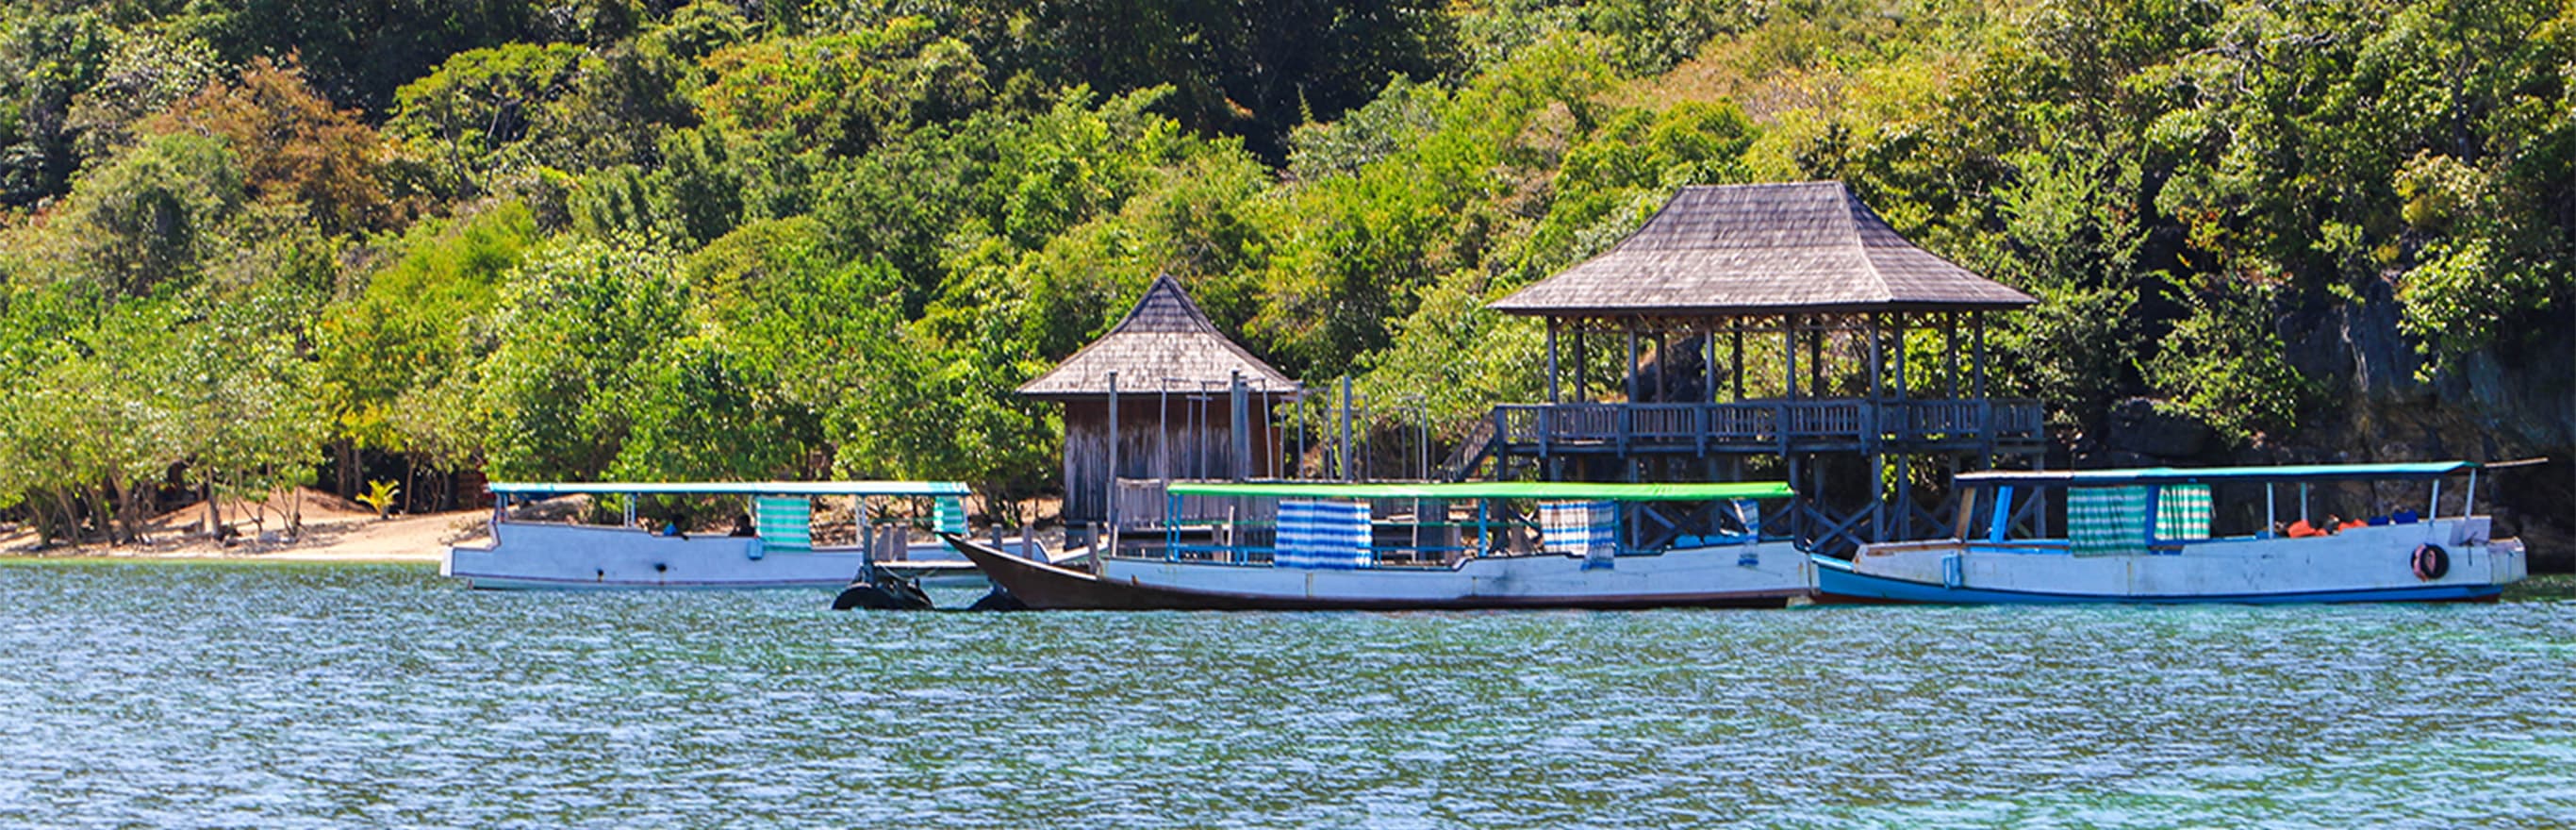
(150, 216)
(292, 145)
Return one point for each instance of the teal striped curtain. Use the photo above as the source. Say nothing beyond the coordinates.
(2106, 521)
(950, 514)
(784, 522)
(2182, 512)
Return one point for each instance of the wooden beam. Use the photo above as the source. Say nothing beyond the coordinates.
(1789, 356)
(1582, 359)
(1551, 360)
(1899, 353)
(1632, 363)
(1708, 365)
(1736, 365)
(1977, 322)
(1950, 355)
(1876, 367)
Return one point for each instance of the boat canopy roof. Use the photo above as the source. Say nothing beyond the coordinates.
(2208, 475)
(1545, 490)
(732, 488)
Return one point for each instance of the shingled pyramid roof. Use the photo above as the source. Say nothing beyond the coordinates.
(1165, 344)
(1719, 250)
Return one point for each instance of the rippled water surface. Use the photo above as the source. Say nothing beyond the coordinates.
(177, 695)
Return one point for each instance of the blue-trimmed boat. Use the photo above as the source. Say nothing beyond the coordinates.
(2147, 536)
(777, 551)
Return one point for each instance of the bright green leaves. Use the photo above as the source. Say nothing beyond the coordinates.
(470, 120)
(400, 360)
(2226, 365)
(149, 217)
(583, 325)
(842, 92)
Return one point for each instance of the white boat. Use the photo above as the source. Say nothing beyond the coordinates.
(1310, 546)
(781, 554)
(2145, 536)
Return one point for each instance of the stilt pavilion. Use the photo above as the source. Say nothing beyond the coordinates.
(1783, 326)
(1162, 396)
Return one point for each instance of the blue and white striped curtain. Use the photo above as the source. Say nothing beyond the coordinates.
(1322, 534)
(1589, 529)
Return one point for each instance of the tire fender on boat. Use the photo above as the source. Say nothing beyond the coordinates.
(2430, 561)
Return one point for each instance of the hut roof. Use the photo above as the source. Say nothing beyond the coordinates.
(1723, 250)
(1165, 344)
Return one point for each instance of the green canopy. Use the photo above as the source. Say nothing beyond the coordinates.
(1543, 490)
(741, 488)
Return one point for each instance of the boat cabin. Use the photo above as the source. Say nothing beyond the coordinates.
(1439, 524)
(2164, 509)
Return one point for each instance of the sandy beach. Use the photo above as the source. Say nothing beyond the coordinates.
(333, 531)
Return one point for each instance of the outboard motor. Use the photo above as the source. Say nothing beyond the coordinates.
(999, 600)
(877, 590)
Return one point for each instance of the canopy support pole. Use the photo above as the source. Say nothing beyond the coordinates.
(2271, 518)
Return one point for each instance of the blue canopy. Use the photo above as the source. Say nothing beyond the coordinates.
(2208, 475)
(733, 488)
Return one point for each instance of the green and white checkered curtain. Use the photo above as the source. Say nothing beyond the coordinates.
(2182, 512)
(2106, 521)
(950, 513)
(784, 522)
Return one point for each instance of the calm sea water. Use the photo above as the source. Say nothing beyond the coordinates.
(177, 695)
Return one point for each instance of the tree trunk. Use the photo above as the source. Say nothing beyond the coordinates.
(70, 504)
(347, 474)
(214, 511)
(136, 509)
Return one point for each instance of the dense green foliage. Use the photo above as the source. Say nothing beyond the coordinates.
(588, 238)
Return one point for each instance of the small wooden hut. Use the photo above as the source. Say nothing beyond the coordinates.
(1183, 400)
(1813, 277)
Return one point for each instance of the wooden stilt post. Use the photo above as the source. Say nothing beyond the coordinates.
(1708, 365)
(1109, 511)
(1789, 356)
(1582, 361)
(1816, 357)
(1632, 363)
(1551, 360)
(1977, 323)
(1871, 329)
(1897, 356)
(1736, 364)
(1950, 355)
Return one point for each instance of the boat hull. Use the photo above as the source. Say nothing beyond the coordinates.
(1837, 583)
(2373, 564)
(1161, 586)
(534, 556)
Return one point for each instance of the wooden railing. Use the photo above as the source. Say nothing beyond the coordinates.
(1757, 422)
